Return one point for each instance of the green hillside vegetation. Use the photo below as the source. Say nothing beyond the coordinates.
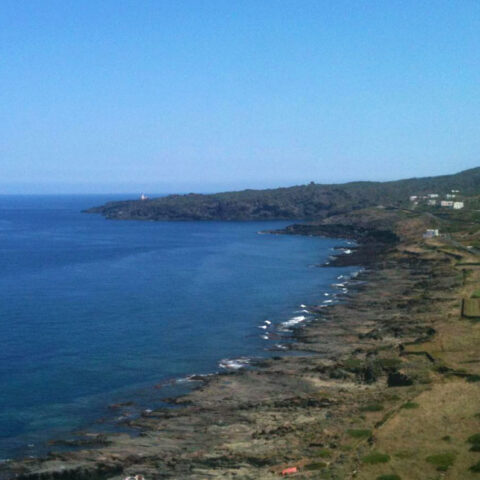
(312, 201)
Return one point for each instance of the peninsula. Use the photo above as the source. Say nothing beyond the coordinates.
(304, 202)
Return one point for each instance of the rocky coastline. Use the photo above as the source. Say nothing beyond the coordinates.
(332, 411)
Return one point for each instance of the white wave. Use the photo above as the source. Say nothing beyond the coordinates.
(264, 327)
(294, 321)
(328, 301)
(184, 380)
(303, 306)
(193, 378)
(234, 364)
(268, 322)
(265, 337)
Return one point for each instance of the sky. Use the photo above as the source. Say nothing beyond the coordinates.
(206, 95)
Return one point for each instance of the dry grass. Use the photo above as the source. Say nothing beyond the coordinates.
(412, 436)
(431, 441)
(471, 307)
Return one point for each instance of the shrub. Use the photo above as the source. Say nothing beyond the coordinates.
(324, 453)
(473, 378)
(373, 407)
(388, 363)
(404, 454)
(474, 438)
(376, 457)
(392, 397)
(389, 477)
(353, 364)
(410, 405)
(475, 468)
(442, 460)
(359, 433)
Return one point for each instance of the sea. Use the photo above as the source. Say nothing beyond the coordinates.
(95, 312)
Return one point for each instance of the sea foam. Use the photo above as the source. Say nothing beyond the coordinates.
(234, 363)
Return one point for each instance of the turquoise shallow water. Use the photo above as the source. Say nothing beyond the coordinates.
(95, 311)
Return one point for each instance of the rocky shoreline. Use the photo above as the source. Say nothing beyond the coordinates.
(320, 413)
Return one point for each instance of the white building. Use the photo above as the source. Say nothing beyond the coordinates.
(446, 203)
(458, 205)
(433, 195)
(143, 197)
(450, 195)
(431, 232)
(432, 202)
(413, 198)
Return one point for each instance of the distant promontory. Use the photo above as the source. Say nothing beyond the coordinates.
(303, 202)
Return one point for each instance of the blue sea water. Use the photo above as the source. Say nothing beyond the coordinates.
(95, 311)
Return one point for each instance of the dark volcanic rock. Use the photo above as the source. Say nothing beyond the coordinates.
(397, 379)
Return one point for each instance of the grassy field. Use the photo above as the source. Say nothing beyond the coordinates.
(436, 435)
(471, 307)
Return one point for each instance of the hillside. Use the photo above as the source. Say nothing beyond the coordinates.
(312, 201)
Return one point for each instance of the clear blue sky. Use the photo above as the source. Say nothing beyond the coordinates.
(181, 95)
